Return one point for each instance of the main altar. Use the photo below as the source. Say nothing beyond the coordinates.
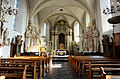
(61, 38)
(61, 51)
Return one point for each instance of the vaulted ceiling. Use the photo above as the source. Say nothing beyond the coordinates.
(54, 10)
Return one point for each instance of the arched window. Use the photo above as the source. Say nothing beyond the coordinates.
(45, 29)
(87, 19)
(76, 31)
(14, 17)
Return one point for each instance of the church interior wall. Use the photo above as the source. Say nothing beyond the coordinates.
(22, 19)
(20, 25)
(104, 27)
(116, 28)
(99, 21)
(23, 16)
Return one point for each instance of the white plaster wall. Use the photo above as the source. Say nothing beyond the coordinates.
(36, 21)
(22, 18)
(5, 50)
(99, 22)
(117, 26)
(107, 27)
(21, 23)
(102, 23)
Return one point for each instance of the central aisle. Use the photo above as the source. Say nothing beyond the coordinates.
(61, 70)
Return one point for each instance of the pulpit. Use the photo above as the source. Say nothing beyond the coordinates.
(117, 44)
(16, 44)
(116, 36)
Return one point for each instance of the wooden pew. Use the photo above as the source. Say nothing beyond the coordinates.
(96, 68)
(10, 74)
(79, 61)
(39, 62)
(45, 61)
(21, 62)
(70, 59)
(105, 76)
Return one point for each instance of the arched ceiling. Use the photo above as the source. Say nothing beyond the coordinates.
(68, 10)
(55, 18)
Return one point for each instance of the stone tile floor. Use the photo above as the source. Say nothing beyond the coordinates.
(61, 70)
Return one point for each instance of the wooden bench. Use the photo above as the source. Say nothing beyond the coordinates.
(45, 61)
(97, 63)
(104, 75)
(39, 63)
(78, 62)
(96, 68)
(10, 72)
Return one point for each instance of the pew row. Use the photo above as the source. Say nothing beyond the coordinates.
(79, 63)
(39, 64)
(105, 75)
(94, 69)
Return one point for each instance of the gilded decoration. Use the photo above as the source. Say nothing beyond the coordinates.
(91, 38)
(31, 38)
(5, 34)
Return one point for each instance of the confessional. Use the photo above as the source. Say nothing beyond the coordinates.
(16, 44)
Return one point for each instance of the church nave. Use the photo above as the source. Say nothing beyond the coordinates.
(59, 39)
(61, 70)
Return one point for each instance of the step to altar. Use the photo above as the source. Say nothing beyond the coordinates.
(60, 58)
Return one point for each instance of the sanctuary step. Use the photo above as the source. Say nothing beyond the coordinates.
(60, 58)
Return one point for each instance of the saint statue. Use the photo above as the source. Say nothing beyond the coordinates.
(5, 36)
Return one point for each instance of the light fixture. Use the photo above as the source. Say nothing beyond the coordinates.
(114, 8)
(8, 9)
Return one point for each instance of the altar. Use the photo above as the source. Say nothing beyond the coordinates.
(61, 52)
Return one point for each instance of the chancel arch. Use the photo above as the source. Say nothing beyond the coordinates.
(73, 17)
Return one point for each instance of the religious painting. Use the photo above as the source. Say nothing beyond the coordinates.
(61, 40)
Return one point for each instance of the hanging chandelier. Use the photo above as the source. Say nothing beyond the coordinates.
(114, 8)
(8, 9)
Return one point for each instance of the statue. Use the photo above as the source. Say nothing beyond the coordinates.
(5, 34)
(91, 37)
(1, 27)
(31, 36)
(2, 20)
(95, 35)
